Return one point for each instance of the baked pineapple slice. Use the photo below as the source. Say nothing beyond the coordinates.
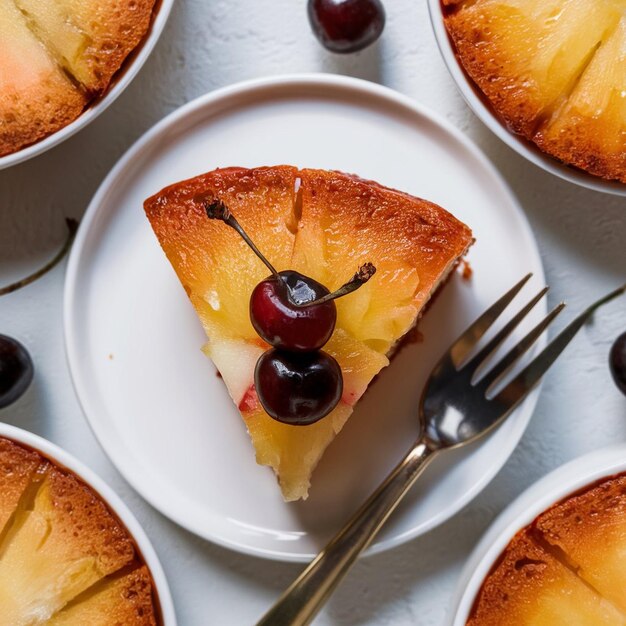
(554, 71)
(116, 601)
(36, 97)
(590, 530)
(332, 225)
(589, 129)
(60, 543)
(529, 587)
(527, 55)
(89, 38)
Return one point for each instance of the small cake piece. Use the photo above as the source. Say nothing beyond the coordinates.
(59, 544)
(590, 529)
(589, 129)
(89, 38)
(36, 97)
(331, 226)
(526, 55)
(529, 587)
(553, 70)
(17, 466)
(120, 600)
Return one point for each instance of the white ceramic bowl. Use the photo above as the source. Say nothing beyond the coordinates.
(551, 489)
(129, 70)
(66, 460)
(525, 148)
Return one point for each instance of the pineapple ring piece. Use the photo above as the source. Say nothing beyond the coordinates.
(553, 70)
(325, 225)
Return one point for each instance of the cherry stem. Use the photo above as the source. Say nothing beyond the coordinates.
(72, 227)
(217, 210)
(364, 273)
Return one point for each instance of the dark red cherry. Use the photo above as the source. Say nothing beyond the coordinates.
(298, 388)
(617, 362)
(16, 370)
(283, 324)
(346, 25)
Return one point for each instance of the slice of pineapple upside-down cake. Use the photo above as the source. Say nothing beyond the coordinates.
(323, 224)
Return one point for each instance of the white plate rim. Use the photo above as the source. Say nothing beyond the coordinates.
(92, 112)
(561, 482)
(113, 501)
(491, 121)
(293, 82)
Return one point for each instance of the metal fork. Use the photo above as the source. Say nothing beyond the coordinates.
(454, 410)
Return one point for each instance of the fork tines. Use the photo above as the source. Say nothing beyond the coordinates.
(530, 375)
(523, 382)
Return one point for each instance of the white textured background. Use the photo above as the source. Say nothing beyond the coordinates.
(212, 43)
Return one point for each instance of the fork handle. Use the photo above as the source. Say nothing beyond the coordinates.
(301, 602)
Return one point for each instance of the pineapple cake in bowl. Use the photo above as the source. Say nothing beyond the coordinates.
(557, 554)
(62, 62)
(71, 553)
(136, 318)
(547, 76)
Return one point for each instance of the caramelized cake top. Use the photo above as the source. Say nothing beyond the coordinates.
(333, 223)
(61, 549)
(56, 56)
(568, 566)
(17, 466)
(553, 70)
(590, 529)
(529, 586)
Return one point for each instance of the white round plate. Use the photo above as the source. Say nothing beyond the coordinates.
(556, 486)
(133, 339)
(129, 70)
(112, 500)
(487, 116)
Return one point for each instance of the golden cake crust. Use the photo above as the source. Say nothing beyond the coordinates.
(589, 529)
(36, 98)
(528, 585)
(567, 566)
(204, 252)
(482, 58)
(581, 518)
(26, 116)
(589, 130)
(120, 600)
(84, 524)
(516, 578)
(395, 224)
(17, 466)
(115, 28)
(183, 229)
(579, 145)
